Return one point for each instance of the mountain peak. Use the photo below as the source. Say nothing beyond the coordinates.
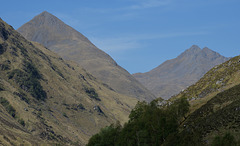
(206, 49)
(45, 13)
(46, 26)
(46, 18)
(194, 47)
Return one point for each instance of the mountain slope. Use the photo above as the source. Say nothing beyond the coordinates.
(218, 79)
(50, 100)
(72, 45)
(175, 75)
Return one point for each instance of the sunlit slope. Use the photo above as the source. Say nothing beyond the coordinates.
(51, 99)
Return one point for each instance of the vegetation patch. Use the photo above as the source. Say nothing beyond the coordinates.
(4, 67)
(149, 124)
(29, 81)
(91, 92)
(32, 70)
(3, 48)
(8, 107)
(3, 33)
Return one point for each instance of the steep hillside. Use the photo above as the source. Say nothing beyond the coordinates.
(218, 79)
(72, 45)
(174, 75)
(45, 99)
(218, 116)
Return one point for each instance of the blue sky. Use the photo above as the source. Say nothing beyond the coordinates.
(141, 34)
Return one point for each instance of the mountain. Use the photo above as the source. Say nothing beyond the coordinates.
(174, 75)
(72, 45)
(47, 100)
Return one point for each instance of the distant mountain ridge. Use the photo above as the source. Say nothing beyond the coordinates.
(174, 75)
(50, 31)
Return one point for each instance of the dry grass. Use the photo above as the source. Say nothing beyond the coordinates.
(57, 119)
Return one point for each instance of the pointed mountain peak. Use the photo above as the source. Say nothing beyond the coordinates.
(46, 18)
(194, 48)
(45, 27)
(45, 13)
(206, 49)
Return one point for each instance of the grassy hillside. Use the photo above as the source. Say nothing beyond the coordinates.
(51, 99)
(218, 116)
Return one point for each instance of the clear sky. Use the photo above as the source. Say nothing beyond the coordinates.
(141, 34)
